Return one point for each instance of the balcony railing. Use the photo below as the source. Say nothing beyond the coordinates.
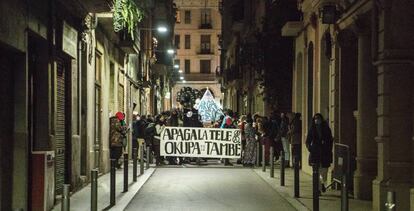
(200, 77)
(204, 51)
(206, 26)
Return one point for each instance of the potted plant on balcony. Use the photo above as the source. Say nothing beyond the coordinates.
(126, 16)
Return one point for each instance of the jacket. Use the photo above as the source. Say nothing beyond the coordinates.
(320, 145)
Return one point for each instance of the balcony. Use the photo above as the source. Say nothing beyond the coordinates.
(127, 44)
(205, 51)
(206, 26)
(292, 28)
(200, 76)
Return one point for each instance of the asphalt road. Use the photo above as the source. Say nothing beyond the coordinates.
(207, 189)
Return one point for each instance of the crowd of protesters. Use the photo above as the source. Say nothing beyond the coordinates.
(282, 131)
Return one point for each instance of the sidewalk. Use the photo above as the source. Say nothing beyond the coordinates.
(81, 200)
(327, 202)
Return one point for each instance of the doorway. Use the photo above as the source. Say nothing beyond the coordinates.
(8, 61)
(348, 91)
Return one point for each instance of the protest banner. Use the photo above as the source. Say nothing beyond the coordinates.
(200, 142)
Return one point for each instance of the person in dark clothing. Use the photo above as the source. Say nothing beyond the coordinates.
(319, 143)
(172, 122)
(283, 129)
(295, 137)
(274, 131)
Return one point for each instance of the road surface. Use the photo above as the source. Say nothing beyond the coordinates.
(207, 189)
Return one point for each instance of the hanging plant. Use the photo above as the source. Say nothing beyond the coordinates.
(126, 16)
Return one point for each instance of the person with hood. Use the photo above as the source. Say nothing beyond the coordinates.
(319, 143)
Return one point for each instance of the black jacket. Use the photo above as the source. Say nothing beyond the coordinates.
(320, 145)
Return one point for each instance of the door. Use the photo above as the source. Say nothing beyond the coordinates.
(98, 109)
(6, 128)
(60, 127)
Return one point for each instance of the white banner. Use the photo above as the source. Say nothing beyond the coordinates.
(200, 142)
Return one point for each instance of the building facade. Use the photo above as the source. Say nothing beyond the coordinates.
(197, 34)
(354, 65)
(66, 72)
(256, 60)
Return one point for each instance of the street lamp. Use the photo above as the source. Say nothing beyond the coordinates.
(181, 78)
(160, 29)
(170, 51)
(176, 66)
(180, 71)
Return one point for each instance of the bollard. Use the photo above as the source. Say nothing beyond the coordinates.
(296, 175)
(258, 153)
(66, 198)
(148, 157)
(282, 168)
(141, 160)
(390, 204)
(113, 180)
(315, 184)
(263, 158)
(94, 190)
(125, 172)
(134, 163)
(272, 164)
(344, 193)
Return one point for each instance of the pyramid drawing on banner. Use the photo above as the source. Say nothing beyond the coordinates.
(208, 109)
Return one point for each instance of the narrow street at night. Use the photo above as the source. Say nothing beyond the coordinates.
(206, 105)
(207, 189)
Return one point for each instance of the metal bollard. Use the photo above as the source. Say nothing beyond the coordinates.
(272, 164)
(94, 190)
(315, 184)
(134, 164)
(390, 204)
(282, 168)
(125, 172)
(263, 158)
(258, 154)
(141, 160)
(66, 198)
(344, 193)
(148, 157)
(112, 182)
(296, 175)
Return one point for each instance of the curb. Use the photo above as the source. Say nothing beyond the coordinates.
(124, 199)
(282, 192)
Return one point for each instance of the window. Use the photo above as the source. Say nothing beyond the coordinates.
(205, 66)
(205, 44)
(205, 18)
(187, 41)
(177, 41)
(187, 66)
(178, 16)
(187, 18)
